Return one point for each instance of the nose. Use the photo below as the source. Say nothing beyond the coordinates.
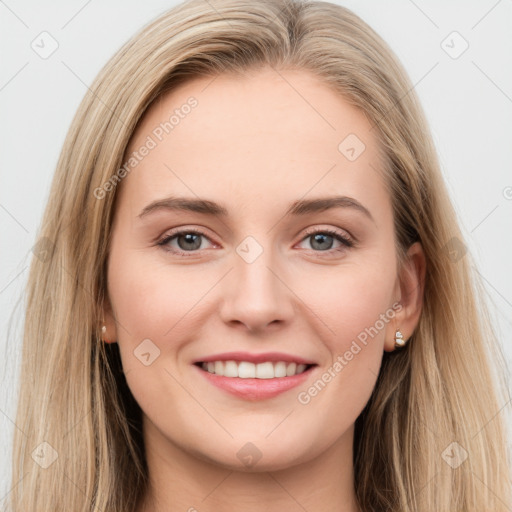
(256, 295)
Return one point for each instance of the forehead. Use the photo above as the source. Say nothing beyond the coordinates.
(241, 139)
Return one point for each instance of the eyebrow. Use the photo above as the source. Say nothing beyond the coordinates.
(297, 208)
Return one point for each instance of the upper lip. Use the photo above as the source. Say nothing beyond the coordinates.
(255, 358)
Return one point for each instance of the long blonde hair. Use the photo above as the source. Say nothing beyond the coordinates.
(437, 391)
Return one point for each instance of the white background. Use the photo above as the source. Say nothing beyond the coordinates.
(468, 102)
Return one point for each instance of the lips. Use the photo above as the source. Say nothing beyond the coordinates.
(255, 376)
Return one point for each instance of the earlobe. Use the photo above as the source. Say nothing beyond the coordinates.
(410, 286)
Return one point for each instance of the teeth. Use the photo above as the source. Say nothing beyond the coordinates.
(247, 370)
(219, 367)
(230, 369)
(265, 371)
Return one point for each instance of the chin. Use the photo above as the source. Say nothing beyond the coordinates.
(256, 457)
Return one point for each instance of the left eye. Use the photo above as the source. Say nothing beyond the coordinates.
(322, 240)
(190, 241)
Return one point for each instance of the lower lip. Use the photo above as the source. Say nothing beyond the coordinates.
(256, 389)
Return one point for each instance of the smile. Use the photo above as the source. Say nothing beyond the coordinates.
(254, 381)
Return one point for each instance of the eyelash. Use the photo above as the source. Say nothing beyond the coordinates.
(346, 242)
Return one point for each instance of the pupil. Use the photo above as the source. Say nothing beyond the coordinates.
(320, 238)
(190, 238)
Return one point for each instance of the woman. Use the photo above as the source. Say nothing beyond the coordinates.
(251, 295)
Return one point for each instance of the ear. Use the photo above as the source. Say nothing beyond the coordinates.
(110, 335)
(409, 293)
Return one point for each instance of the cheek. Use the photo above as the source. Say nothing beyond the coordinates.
(154, 300)
(355, 304)
(154, 308)
(352, 305)
(351, 298)
(140, 299)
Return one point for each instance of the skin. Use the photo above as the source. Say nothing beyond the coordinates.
(254, 145)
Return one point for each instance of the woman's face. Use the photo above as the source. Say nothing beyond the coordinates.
(254, 227)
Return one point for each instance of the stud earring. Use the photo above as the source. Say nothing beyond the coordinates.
(103, 331)
(399, 339)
